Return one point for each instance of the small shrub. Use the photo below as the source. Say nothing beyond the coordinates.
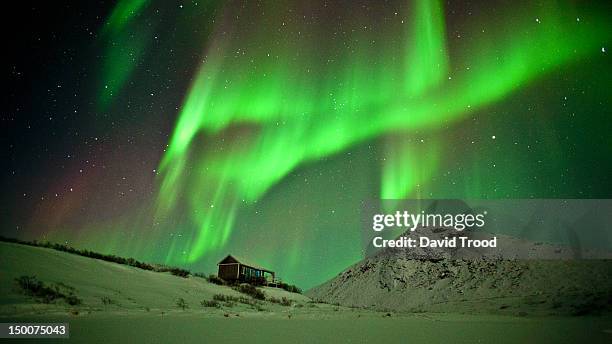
(210, 303)
(30, 284)
(72, 300)
(215, 279)
(228, 299)
(180, 272)
(180, 302)
(219, 297)
(283, 302)
(290, 288)
(246, 300)
(47, 294)
(252, 291)
(106, 300)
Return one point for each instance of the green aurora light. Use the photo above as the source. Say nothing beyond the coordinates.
(274, 96)
(297, 116)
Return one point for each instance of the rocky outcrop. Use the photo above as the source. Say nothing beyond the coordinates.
(394, 280)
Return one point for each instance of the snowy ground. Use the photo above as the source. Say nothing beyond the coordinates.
(126, 304)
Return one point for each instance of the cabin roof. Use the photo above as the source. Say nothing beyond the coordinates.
(230, 258)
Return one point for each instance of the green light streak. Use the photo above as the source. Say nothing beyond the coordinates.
(427, 62)
(406, 165)
(299, 108)
(125, 46)
(123, 12)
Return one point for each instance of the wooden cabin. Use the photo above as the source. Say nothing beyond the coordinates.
(232, 268)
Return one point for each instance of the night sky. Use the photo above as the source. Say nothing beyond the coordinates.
(179, 132)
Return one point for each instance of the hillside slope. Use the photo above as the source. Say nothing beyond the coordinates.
(101, 285)
(393, 280)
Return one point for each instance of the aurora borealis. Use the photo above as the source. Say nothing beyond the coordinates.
(260, 128)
